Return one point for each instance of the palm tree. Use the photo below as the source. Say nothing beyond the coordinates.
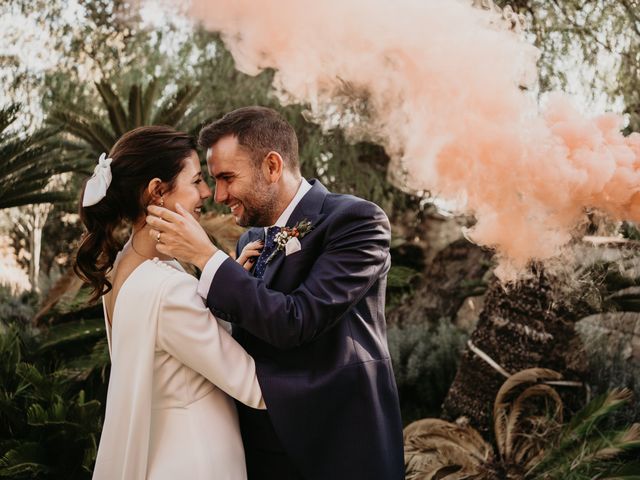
(533, 324)
(28, 169)
(532, 441)
(27, 164)
(528, 325)
(86, 134)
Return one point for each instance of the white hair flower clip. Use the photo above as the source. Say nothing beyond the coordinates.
(97, 185)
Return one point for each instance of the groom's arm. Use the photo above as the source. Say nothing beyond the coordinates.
(213, 265)
(355, 256)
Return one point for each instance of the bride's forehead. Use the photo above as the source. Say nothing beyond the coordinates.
(191, 163)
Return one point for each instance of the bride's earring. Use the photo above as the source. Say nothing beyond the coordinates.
(161, 201)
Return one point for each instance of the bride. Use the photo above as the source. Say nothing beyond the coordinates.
(169, 412)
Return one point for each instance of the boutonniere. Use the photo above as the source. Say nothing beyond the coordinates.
(288, 238)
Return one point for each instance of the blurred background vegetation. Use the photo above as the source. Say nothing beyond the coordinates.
(77, 74)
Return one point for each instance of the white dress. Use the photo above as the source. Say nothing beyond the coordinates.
(174, 369)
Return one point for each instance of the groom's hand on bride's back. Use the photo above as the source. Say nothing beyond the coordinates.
(181, 235)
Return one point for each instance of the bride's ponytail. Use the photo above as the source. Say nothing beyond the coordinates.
(98, 246)
(138, 157)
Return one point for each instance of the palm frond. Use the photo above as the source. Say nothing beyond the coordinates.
(12, 148)
(14, 161)
(527, 440)
(626, 471)
(611, 446)
(35, 198)
(8, 115)
(435, 448)
(98, 360)
(503, 401)
(194, 118)
(149, 97)
(586, 419)
(175, 107)
(116, 112)
(77, 125)
(135, 107)
(579, 442)
(28, 458)
(63, 334)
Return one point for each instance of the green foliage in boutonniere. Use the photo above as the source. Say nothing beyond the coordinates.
(290, 234)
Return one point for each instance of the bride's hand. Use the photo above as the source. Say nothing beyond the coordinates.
(250, 254)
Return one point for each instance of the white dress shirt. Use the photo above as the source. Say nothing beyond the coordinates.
(212, 266)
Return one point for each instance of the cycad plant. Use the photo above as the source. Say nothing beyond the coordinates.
(86, 134)
(52, 391)
(49, 424)
(27, 164)
(532, 442)
(584, 449)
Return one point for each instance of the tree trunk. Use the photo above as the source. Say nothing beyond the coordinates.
(35, 245)
(40, 213)
(526, 326)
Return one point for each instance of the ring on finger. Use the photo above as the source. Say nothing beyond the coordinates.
(158, 237)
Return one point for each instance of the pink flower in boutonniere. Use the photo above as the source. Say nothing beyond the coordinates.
(288, 238)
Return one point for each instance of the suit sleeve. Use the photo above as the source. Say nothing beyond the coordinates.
(189, 332)
(355, 256)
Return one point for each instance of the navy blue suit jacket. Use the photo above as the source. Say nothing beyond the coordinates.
(316, 328)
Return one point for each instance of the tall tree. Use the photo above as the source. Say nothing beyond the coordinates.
(592, 44)
(86, 133)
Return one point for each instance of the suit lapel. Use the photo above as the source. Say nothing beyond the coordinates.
(255, 234)
(309, 208)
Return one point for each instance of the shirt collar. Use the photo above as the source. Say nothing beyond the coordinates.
(284, 217)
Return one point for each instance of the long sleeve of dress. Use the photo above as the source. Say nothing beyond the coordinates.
(188, 331)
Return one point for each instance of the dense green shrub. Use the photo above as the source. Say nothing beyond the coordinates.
(49, 428)
(16, 308)
(425, 360)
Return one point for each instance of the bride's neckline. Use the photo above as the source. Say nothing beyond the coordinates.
(170, 264)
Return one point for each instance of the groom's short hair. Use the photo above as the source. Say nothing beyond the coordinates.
(258, 129)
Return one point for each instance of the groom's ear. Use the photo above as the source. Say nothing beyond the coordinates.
(272, 166)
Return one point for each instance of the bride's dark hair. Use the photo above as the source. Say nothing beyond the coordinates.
(138, 156)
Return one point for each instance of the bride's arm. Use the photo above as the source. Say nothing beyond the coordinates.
(189, 332)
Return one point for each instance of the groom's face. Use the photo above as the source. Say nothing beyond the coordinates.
(240, 184)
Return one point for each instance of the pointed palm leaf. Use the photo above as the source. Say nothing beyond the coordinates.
(435, 448)
(586, 419)
(27, 164)
(87, 134)
(8, 115)
(116, 112)
(135, 107)
(581, 444)
(175, 107)
(149, 98)
(35, 198)
(18, 155)
(27, 459)
(504, 399)
(78, 125)
(60, 336)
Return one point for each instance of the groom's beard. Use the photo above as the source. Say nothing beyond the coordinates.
(260, 208)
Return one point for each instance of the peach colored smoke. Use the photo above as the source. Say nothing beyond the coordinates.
(437, 82)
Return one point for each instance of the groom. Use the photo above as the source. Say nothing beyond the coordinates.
(311, 312)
